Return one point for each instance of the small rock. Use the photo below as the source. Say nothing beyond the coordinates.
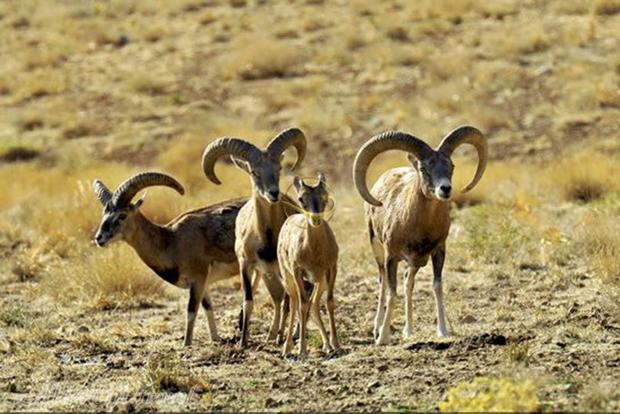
(121, 41)
(270, 402)
(83, 329)
(469, 319)
(382, 368)
(123, 407)
(372, 385)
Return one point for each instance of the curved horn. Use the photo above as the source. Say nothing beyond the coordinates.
(221, 147)
(386, 141)
(467, 135)
(127, 190)
(290, 137)
(102, 192)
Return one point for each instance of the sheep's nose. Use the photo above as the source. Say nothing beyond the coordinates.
(446, 189)
(274, 195)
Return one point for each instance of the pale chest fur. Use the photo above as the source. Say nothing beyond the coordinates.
(311, 249)
(408, 224)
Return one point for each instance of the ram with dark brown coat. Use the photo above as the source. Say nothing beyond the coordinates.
(408, 216)
(192, 251)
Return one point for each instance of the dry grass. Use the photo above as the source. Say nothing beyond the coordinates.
(39, 84)
(599, 241)
(104, 279)
(167, 374)
(585, 177)
(264, 58)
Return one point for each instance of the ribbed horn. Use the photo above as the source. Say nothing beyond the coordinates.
(467, 135)
(391, 140)
(237, 147)
(127, 190)
(103, 194)
(287, 138)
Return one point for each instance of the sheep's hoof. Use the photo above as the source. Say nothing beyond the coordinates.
(407, 332)
(382, 341)
(443, 334)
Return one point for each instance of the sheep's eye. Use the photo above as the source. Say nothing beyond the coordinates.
(122, 216)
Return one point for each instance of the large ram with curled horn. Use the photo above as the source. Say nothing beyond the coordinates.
(260, 219)
(192, 251)
(408, 215)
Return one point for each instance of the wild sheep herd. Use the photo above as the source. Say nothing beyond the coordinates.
(288, 242)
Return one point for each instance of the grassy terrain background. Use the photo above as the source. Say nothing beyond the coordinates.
(103, 89)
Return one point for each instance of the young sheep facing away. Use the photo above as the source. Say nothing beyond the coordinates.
(409, 215)
(260, 219)
(192, 251)
(308, 251)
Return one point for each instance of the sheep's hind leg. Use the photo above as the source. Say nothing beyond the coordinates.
(196, 293)
(208, 305)
(391, 268)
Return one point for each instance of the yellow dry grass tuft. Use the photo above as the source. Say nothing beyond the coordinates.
(599, 241)
(584, 177)
(167, 374)
(263, 58)
(491, 394)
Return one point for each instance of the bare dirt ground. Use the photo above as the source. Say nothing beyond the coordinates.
(104, 89)
(550, 324)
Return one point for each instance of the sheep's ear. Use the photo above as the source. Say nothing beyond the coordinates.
(322, 179)
(414, 161)
(297, 183)
(136, 206)
(241, 164)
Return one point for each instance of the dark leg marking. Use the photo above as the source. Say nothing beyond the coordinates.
(206, 304)
(438, 260)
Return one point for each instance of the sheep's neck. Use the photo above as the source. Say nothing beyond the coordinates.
(267, 215)
(432, 207)
(314, 234)
(150, 242)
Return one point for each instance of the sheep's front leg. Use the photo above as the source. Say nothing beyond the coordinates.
(304, 309)
(294, 304)
(196, 293)
(248, 302)
(391, 268)
(277, 293)
(208, 305)
(409, 284)
(333, 336)
(438, 259)
(315, 304)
